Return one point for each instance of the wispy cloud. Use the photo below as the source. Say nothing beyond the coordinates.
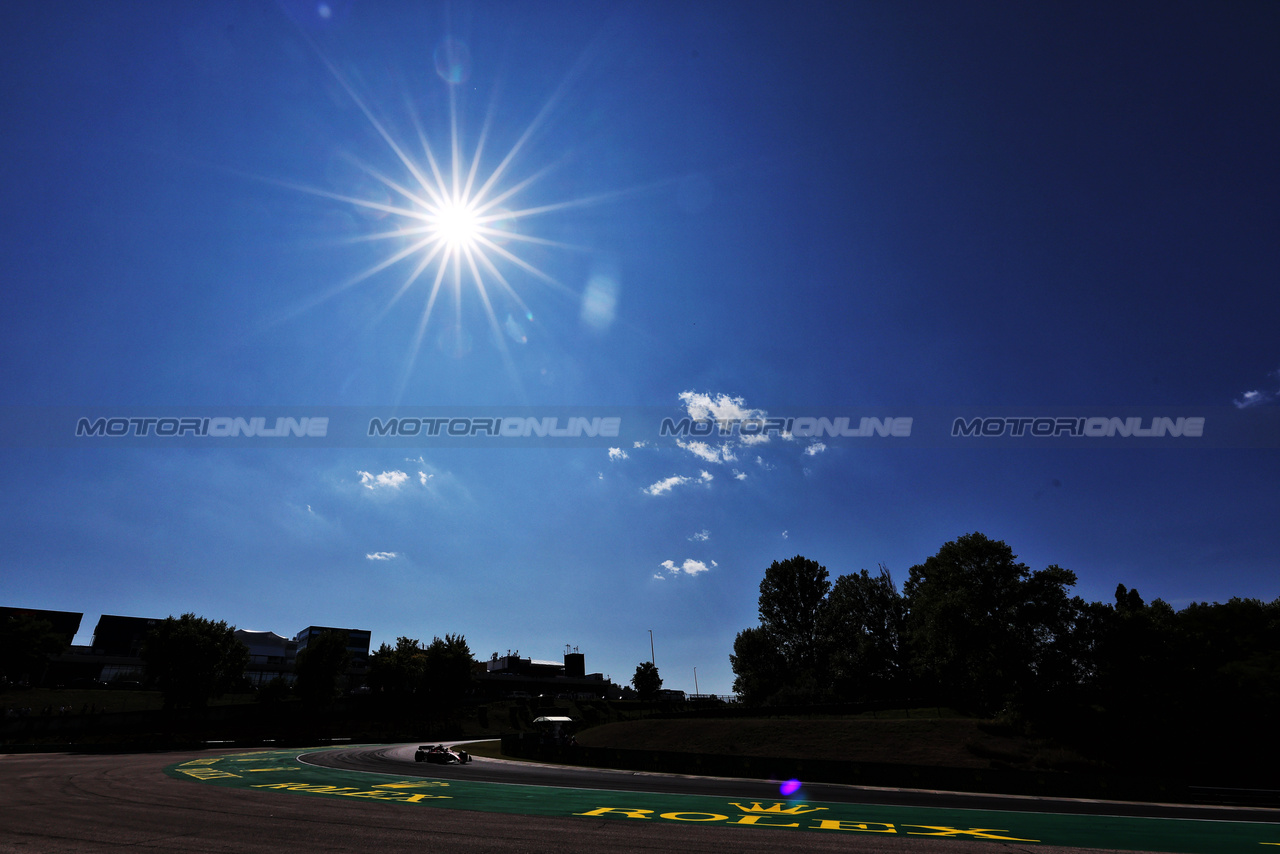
(382, 556)
(700, 536)
(739, 475)
(1259, 397)
(689, 567)
(705, 476)
(386, 480)
(665, 485)
(1253, 398)
(815, 448)
(617, 454)
(722, 454)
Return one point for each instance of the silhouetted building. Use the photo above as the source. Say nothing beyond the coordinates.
(117, 647)
(357, 642)
(122, 636)
(270, 656)
(511, 675)
(65, 623)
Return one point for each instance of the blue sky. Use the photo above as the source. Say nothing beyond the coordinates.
(863, 209)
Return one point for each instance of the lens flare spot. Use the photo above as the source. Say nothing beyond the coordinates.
(453, 60)
(600, 303)
(454, 342)
(515, 331)
(502, 226)
(789, 788)
(317, 15)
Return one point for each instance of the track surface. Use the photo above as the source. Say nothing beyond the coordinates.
(398, 759)
(89, 803)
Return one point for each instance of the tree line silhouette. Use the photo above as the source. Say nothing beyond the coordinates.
(975, 630)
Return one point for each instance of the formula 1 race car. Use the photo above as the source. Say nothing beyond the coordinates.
(441, 755)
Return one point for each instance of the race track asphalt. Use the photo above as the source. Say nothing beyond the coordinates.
(398, 759)
(99, 803)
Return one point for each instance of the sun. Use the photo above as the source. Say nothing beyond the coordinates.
(456, 224)
(452, 227)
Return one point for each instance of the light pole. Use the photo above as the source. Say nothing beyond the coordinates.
(696, 692)
(651, 661)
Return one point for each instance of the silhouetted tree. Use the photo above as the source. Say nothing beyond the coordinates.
(193, 659)
(646, 681)
(792, 595)
(398, 670)
(863, 624)
(439, 671)
(27, 644)
(980, 623)
(321, 666)
(759, 669)
(447, 669)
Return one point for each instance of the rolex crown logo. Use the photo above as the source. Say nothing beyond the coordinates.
(778, 809)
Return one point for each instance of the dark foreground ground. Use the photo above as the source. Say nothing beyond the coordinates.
(78, 803)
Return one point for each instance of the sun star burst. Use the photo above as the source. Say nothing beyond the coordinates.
(456, 225)
(449, 226)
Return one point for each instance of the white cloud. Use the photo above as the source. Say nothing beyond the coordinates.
(382, 556)
(689, 567)
(1252, 398)
(423, 477)
(723, 454)
(760, 462)
(785, 535)
(727, 411)
(665, 485)
(815, 448)
(641, 444)
(720, 408)
(392, 479)
(1258, 397)
(617, 454)
(705, 476)
(701, 536)
(739, 475)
